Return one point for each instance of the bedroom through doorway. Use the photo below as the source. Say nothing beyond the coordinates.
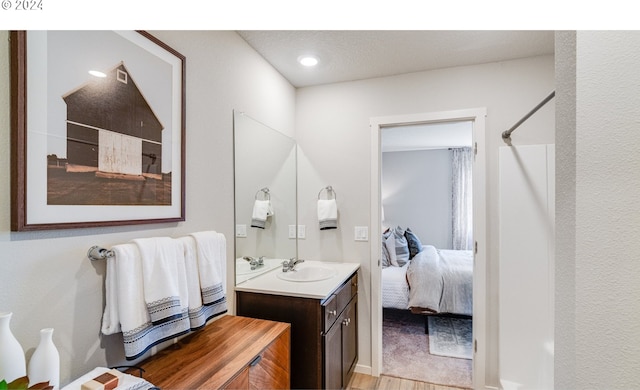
(425, 247)
(427, 223)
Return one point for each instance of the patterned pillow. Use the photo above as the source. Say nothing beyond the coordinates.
(414, 243)
(401, 246)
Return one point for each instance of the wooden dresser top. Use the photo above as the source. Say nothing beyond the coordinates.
(210, 357)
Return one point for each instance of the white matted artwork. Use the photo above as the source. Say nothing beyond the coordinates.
(98, 129)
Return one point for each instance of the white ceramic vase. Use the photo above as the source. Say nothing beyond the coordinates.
(12, 361)
(44, 365)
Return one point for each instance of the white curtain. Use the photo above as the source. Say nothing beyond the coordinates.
(462, 202)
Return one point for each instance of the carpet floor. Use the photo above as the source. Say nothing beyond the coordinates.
(405, 353)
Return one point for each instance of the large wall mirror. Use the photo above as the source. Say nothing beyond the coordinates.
(265, 197)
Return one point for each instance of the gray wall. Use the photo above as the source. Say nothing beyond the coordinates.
(46, 279)
(416, 193)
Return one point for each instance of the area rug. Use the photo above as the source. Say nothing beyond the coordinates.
(450, 337)
(405, 353)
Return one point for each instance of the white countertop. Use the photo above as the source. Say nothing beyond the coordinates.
(244, 273)
(270, 283)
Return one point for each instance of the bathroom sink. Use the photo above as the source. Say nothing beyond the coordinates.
(308, 274)
(243, 268)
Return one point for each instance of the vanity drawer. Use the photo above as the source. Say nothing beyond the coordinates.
(330, 308)
(346, 292)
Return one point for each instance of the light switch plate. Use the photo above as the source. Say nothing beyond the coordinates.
(241, 230)
(292, 231)
(361, 233)
(302, 231)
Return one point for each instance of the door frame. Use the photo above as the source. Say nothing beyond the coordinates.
(477, 116)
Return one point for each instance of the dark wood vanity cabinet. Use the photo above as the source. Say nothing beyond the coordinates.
(324, 332)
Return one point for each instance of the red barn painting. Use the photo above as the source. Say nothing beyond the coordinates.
(112, 130)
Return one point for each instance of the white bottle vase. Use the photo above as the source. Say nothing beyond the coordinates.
(12, 362)
(44, 365)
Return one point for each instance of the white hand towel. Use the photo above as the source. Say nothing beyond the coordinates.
(198, 313)
(111, 318)
(327, 214)
(261, 210)
(211, 249)
(164, 278)
(126, 309)
(193, 282)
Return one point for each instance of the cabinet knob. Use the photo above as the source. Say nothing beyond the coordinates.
(333, 312)
(346, 321)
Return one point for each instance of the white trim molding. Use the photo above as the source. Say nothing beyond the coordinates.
(477, 116)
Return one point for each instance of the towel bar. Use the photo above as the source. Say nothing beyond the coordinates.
(97, 253)
(329, 190)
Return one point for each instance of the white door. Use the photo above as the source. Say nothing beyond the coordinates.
(526, 303)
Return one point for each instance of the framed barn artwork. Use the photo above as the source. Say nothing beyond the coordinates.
(98, 130)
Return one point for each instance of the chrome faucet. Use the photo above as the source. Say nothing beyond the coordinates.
(290, 264)
(255, 263)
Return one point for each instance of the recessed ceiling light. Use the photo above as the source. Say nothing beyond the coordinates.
(308, 60)
(97, 73)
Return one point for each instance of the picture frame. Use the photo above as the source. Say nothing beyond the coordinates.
(97, 130)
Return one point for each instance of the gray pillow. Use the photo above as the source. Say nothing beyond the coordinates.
(386, 261)
(401, 246)
(386, 256)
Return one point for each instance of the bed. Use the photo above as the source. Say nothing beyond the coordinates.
(432, 281)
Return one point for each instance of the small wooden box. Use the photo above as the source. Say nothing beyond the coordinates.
(107, 381)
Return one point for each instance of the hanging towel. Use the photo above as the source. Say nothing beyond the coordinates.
(199, 314)
(125, 308)
(327, 214)
(111, 317)
(211, 252)
(164, 278)
(261, 210)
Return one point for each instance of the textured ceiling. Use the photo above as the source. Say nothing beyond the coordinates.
(355, 55)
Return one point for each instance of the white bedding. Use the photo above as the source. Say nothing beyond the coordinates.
(440, 280)
(395, 290)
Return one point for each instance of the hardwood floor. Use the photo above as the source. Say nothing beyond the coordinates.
(367, 382)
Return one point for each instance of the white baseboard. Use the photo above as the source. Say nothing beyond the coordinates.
(362, 369)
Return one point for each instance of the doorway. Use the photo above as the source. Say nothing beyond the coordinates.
(477, 118)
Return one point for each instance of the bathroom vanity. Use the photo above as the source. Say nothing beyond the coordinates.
(323, 315)
(230, 353)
